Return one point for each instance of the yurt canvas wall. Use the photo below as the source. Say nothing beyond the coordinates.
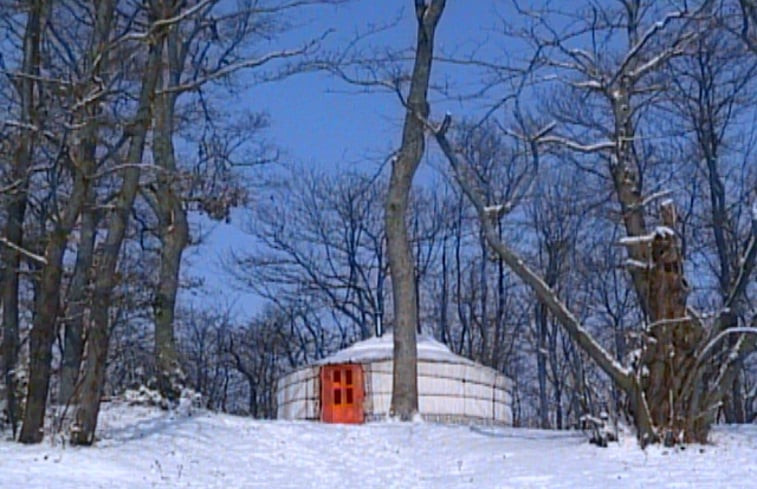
(298, 395)
(450, 388)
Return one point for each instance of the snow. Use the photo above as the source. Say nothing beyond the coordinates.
(659, 232)
(631, 263)
(664, 232)
(494, 209)
(148, 448)
(382, 348)
(635, 240)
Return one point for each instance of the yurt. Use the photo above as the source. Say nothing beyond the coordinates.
(355, 385)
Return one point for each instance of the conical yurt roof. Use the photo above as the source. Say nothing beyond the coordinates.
(382, 348)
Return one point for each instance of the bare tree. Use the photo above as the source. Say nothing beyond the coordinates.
(88, 405)
(712, 89)
(26, 81)
(211, 43)
(82, 161)
(404, 402)
(203, 342)
(319, 237)
(484, 292)
(676, 384)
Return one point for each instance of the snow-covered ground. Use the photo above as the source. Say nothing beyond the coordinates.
(146, 448)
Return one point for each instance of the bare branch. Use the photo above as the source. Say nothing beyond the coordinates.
(244, 64)
(576, 146)
(747, 263)
(622, 376)
(636, 49)
(707, 350)
(33, 256)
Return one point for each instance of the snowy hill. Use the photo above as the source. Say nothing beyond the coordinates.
(147, 448)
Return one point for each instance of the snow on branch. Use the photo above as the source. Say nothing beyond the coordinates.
(640, 265)
(539, 136)
(659, 232)
(653, 197)
(497, 210)
(144, 35)
(576, 146)
(664, 232)
(33, 256)
(588, 84)
(636, 240)
(547, 296)
(746, 263)
(711, 345)
(650, 33)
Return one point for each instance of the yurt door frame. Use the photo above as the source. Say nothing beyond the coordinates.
(342, 393)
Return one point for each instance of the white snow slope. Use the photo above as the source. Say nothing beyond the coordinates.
(146, 448)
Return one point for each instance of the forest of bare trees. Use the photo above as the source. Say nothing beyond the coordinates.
(588, 225)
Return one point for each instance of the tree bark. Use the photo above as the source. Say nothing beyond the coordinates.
(404, 404)
(73, 343)
(173, 224)
(12, 262)
(174, 238)
(16, 210)
(41, 338)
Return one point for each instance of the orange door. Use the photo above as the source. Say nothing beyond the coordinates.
(342, 394)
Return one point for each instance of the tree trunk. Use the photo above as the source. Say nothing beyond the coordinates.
(404, 402)
(627, 183)
(47, 304)
(12, 262)
(622, 377)
(556, 374)
(41, 339)
(485, 327)
(541, 364)
(174, 228)
(444, 299)
(16, 210)
(461, 315)
(88, 405)
(174, 239)
(73, 344)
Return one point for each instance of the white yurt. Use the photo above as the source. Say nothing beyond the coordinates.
(355, 385)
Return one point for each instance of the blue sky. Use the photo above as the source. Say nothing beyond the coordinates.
(321, 121)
